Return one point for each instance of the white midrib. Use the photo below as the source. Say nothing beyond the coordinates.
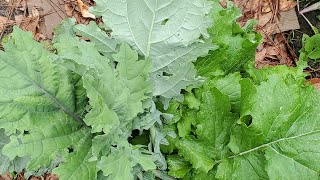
(50, 96)
(269, 144)
(150, 32)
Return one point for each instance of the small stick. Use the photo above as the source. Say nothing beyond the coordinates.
(313, 7)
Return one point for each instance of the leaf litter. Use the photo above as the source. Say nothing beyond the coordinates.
(274, 49)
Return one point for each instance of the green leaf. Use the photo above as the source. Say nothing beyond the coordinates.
(249, 167)
(281, 165)
(173, 113)
(117, 93)
(111, 105)
(66, 27)
(123, 101)
(144, 158)
(80, 96)
(116, 166)
(16, 165)
(228, 85)
(79, 56)
(102, 41)
(76, 165)
(197, 153)
(178, 167)
(247, 91)
(119, 164)
(215, 121)
(38, 100)
(188, 120)
(191, 101)
(43, 144)
(260, 75)
(32, 87)
(101, 146)
(168, 35)
(311, 47)
(285, 127)
(171, 137)
(236, 46)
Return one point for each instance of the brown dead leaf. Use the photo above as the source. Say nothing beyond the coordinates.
(52, 177)
(31, 23)
(23, 5)
(19, 19)
(265, 19)
(34, 178)
(286, 5)
(84, 9)
(6, 177)
(260, 56)
(223, 3)
(315, 82)
(265, 11)
(273, 50)
(72, 10)
(68, 9)
(283, 54)
(20, 176)
(4, 22)
(35, 12)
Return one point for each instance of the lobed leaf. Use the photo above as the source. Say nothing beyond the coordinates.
(167, 32)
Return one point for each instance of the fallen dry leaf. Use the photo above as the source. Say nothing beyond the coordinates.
(273, 50)
(23, 5)
(19, 19)
(4, 21)
(84, 9)
(286, 5)
(34, 178)
(28, 23)
(315, 82)
(31, 23)
(6, 177)
(52, 177)
(35, 12)
(72, 10)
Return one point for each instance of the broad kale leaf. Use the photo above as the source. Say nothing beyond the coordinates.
(46, 112)
(38, 100)
(76, 164)
(284, 132)
(276, 130)
(167, 32)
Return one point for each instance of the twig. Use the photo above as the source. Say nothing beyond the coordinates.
(55, 6)
(8, 16)
(313, 7)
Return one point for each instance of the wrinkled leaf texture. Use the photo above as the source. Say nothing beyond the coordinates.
(165, 31)
(43, 103)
